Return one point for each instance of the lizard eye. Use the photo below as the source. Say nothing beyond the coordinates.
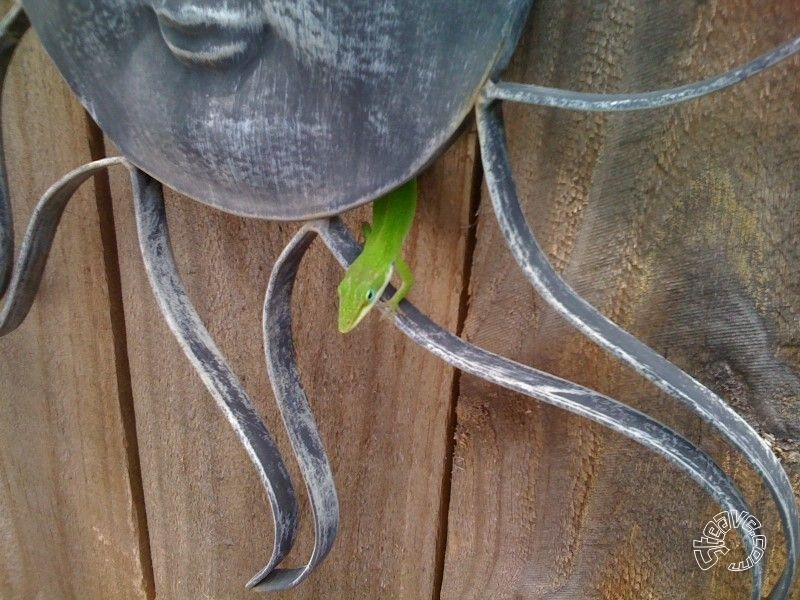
(370, 295)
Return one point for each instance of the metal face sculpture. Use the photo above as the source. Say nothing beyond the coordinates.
(297, 109)
(283, 109)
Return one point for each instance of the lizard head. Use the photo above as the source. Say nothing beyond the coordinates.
(359, 291)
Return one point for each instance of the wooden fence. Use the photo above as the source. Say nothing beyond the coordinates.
(119, 478)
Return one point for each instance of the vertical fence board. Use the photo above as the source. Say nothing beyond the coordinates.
(69, 518)
(679, 224)
(382, 405)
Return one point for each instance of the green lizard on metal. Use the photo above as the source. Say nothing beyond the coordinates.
(369, 274)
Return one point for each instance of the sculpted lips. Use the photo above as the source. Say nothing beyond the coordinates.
(208, 36)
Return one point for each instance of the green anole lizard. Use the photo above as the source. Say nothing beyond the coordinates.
(370, 272)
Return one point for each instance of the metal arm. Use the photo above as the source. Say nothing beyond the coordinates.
(14, 24)
(209, 363)
(591, 102)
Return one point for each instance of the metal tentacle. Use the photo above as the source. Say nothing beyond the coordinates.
(207, 360)
(529, 381)
(586, 101)
(296, 412)
(37, 242)
(14, 24)
(622, 344)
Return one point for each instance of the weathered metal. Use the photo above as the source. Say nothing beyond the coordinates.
(287, 109)
(590, 102)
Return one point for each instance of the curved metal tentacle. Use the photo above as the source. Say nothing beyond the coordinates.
(37, 242)
(621, 344)
(586, 101)
(12, 27)
(207, 360)
(534, 383)
(296, 412)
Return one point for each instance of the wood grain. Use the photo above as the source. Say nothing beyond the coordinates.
(382, 405)
(71, 521)
(679, 224)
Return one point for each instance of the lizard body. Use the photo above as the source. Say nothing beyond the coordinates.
(370, 273)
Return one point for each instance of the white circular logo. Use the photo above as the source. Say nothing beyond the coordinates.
(712, 543)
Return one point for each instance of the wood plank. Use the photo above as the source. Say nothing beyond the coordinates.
(679, 224)
(71, 518)
(383, 406)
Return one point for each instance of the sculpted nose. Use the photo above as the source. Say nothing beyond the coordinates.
(241, 14)
(205, 32)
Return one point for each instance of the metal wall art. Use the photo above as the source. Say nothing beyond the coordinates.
(301, 109)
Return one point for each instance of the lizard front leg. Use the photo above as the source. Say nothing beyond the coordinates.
(407, 280)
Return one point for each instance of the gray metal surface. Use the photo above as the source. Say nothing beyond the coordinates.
(287, 109)
(218, 377)
(590, 102)
(35, 247)
(296, 413)
(12, 27)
